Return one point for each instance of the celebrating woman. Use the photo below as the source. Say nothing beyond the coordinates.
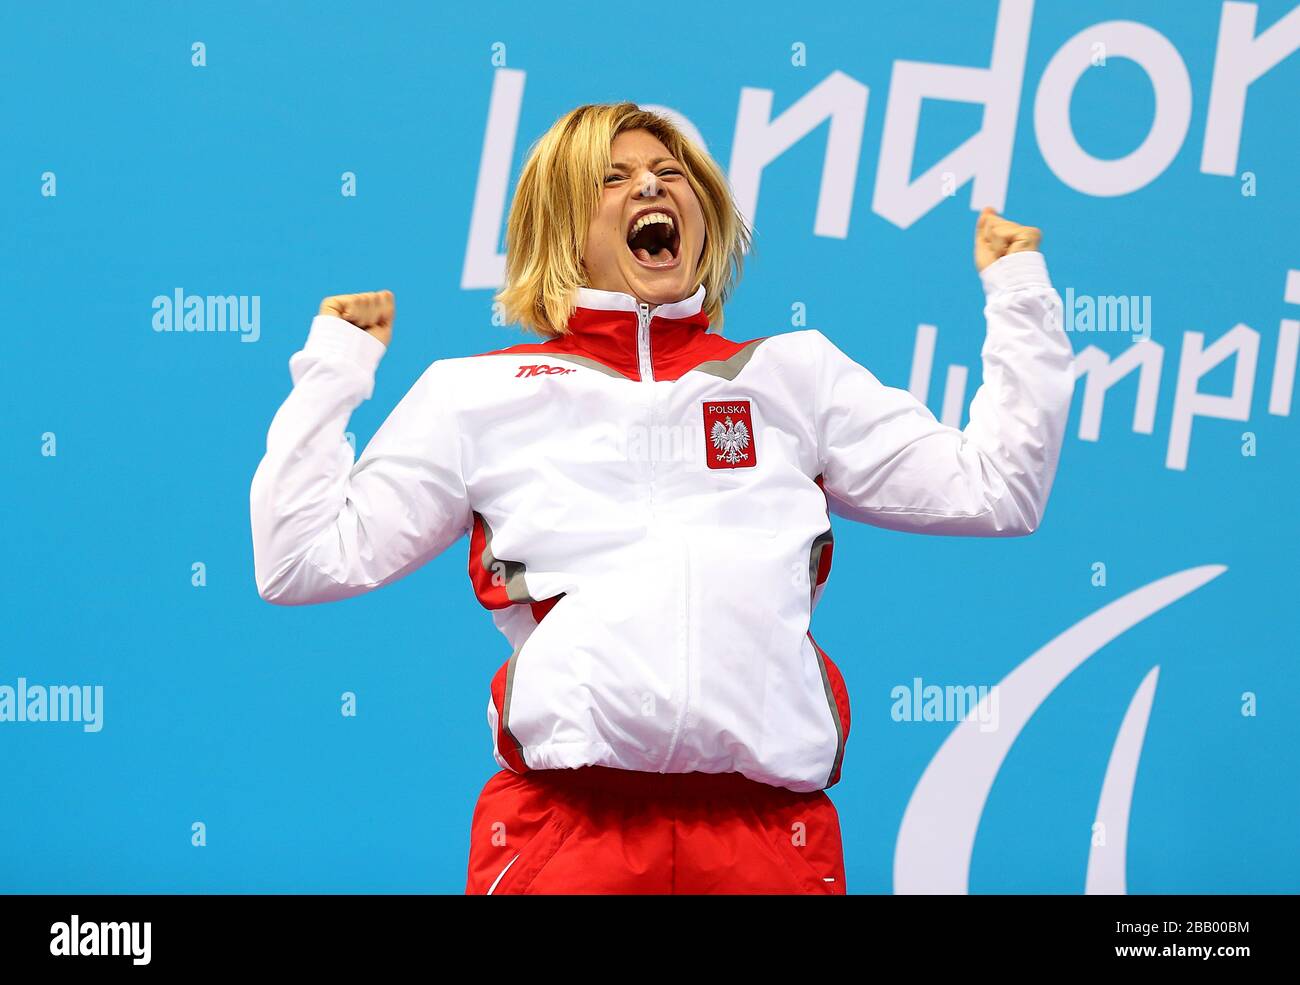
(647, 504)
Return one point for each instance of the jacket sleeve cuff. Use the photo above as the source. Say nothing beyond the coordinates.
(333, 338)
(1027, 268)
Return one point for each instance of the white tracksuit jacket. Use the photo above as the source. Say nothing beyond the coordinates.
(647, 504)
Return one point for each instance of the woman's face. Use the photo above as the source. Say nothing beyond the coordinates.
(658, 262)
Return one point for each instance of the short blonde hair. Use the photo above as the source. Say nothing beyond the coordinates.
(559, 191)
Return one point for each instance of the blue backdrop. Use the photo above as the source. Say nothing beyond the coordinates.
(282, 153)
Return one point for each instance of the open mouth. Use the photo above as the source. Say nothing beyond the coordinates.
(654, 239)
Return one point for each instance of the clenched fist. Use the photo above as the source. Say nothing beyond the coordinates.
(372, 312)
(995, 237)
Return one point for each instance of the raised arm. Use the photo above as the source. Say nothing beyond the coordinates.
(887, 461)
(326, 529)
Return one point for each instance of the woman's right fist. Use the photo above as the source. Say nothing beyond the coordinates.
(372, 312)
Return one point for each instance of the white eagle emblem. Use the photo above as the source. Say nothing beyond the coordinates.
(731, 440)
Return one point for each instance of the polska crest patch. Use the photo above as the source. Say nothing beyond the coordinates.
(729, 435)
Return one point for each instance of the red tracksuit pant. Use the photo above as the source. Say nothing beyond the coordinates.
(595, 829)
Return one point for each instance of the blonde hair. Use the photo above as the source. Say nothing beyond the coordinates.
(559, 191)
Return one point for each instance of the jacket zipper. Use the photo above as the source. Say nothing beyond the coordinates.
(683, 713)
(643, 343)
(648, 376)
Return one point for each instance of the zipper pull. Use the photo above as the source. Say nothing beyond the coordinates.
(643, 343)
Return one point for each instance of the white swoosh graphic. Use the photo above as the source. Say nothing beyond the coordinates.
(1107, 863)
(937, 834)
(492, 888)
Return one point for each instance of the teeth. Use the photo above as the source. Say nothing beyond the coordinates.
(648, 219)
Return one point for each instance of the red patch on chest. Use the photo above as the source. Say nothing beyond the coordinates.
(729, 435)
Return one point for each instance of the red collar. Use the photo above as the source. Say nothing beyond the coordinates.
(605, 327)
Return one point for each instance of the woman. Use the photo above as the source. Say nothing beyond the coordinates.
(647, 504)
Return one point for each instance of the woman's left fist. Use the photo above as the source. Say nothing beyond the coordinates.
(996, 237)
